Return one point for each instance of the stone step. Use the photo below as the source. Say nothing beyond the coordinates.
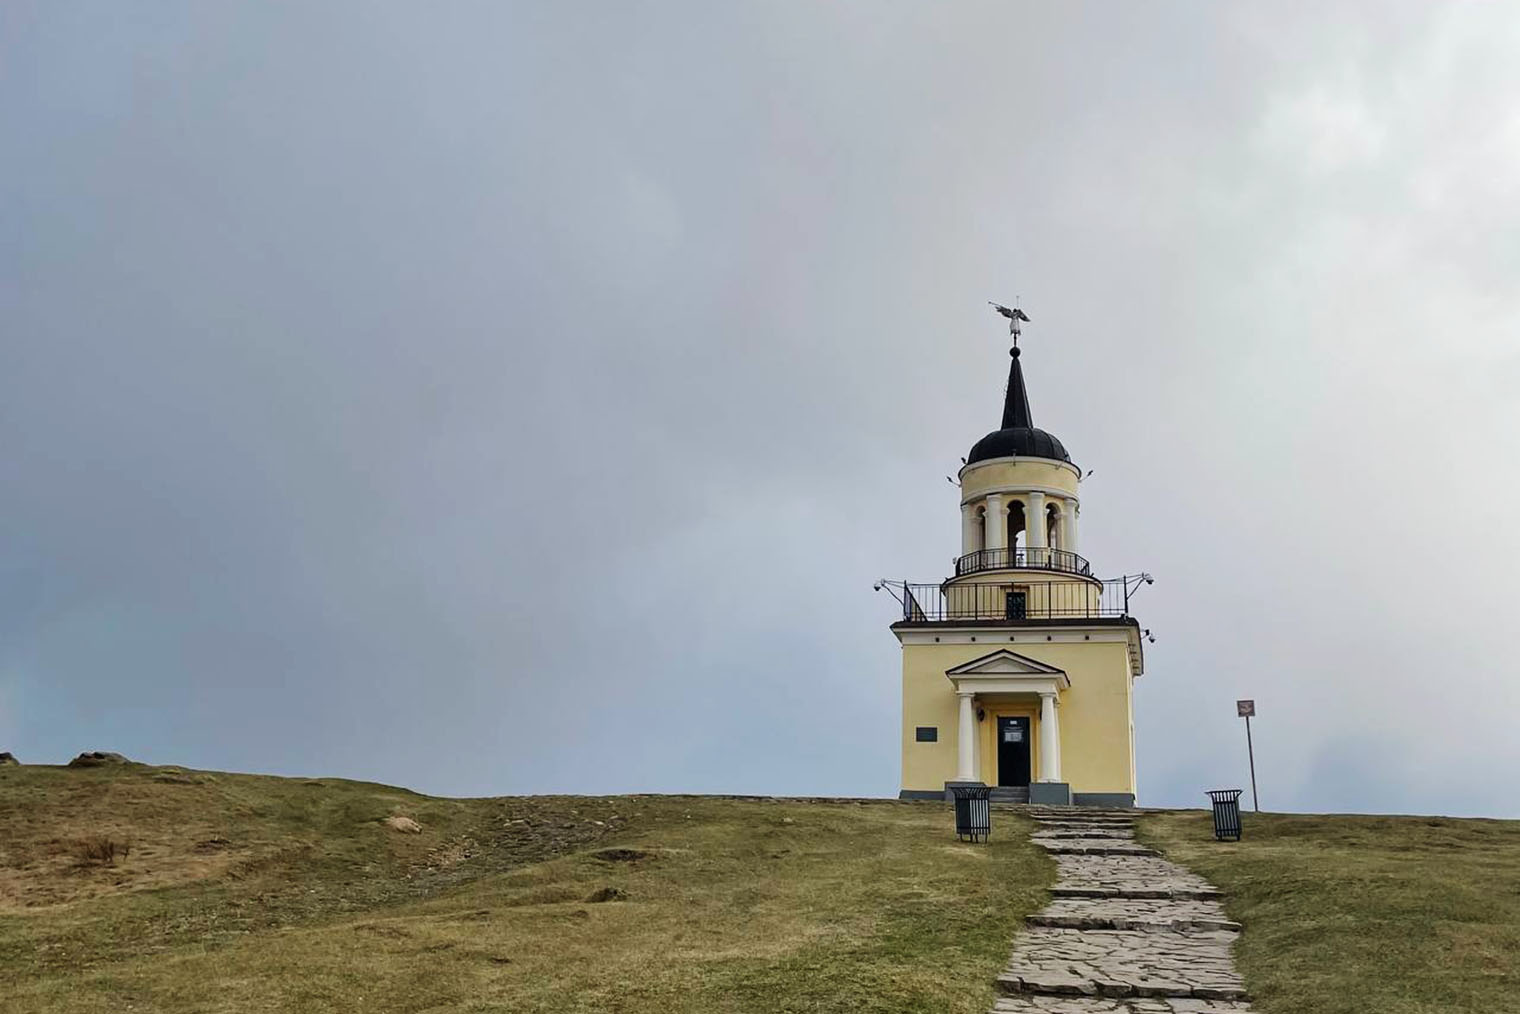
(1096, 847)
(1034, 1004)
(1091, 811)
(1087, 830)
(1127, 873)
(1144, 893)
(1123, 963)
(1080, 822)
(1156, 915)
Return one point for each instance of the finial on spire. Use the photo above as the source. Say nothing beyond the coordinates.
(1014, 316)
(1015, 400)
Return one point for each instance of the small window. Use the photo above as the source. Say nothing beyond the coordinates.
(1017, 604)
(927, 734)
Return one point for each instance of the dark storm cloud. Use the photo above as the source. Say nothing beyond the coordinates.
(523, 398)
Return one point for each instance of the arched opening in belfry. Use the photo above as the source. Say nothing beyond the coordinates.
(1053, 527)
(1016, 525)
(980, 531)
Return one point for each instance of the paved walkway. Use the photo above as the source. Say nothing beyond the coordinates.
(1126, 932)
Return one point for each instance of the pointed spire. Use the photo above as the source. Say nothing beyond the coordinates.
(1016, 402)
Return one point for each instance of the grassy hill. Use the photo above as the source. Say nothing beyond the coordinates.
(241, 892)
(1349, 914)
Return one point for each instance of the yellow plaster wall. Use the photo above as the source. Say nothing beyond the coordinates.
(1096, 722)
(978, 479)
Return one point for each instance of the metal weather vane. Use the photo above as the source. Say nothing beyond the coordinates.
(1014, 316)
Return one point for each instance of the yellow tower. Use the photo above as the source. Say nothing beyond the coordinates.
(1019, 669)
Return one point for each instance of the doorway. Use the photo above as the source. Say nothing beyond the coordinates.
(1013, 751)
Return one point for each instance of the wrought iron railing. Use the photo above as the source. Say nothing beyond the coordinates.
(1022, 558)
(1015, 601)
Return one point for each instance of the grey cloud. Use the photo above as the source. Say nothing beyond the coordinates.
(523, 398)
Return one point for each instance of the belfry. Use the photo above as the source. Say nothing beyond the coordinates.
(1019, 669)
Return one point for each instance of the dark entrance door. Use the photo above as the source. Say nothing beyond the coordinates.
(1013, 751)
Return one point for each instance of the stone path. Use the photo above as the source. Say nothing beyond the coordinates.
(1126, 932)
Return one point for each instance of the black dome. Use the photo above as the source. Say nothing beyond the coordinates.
(1017, 441)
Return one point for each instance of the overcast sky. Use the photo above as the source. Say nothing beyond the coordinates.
(505, 398)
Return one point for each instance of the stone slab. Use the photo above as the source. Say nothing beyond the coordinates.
(1140, 893)
(1049, 794)
(1104, 800)
(1148, 914)
(1091, 831)
(1131, 876)
(1095, 847)
(1122, 963)
(1087, 830)
(1109, 1005)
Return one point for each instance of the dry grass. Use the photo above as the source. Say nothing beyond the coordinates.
(101, 850)
(247, 893)
(1348, 914)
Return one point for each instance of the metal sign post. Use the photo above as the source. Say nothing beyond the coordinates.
(1246, 709)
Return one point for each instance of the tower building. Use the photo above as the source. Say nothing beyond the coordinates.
(1019, 669)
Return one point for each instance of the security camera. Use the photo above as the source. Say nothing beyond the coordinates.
(1149, 579)
(876, 586)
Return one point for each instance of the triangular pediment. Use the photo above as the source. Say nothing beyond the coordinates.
(1005, 663)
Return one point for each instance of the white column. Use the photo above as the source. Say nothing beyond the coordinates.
(997, 522)
(1034, 527)
(1050, 739)
(1069, 526)
(968, 529)
(965, 742)
(976, 753)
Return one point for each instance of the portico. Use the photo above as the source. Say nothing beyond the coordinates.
(1005, 684)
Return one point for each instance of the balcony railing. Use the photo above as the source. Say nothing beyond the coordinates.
(1015, 601)
(1022, 558)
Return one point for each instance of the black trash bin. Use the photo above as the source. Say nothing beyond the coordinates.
(973, 812)
(1226, 813)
